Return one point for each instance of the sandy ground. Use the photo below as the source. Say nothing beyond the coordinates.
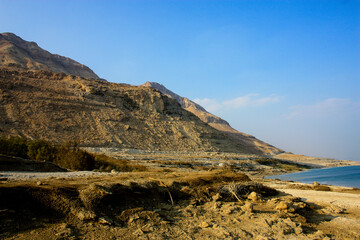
(345, 200)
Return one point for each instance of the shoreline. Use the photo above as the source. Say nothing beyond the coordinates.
(298, 177)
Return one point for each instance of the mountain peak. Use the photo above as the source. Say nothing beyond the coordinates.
(18, 53)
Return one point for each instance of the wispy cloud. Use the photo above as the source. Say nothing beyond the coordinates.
(325, 108)
(249, 100)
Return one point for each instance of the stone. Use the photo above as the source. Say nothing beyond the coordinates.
(253, 196)
(335, 209)
(105, 221)
(285, 207)
(316, 184)
(216, 197)
(204, 225)
(86, 215)
(248, 207)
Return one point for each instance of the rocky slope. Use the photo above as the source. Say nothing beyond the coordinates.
(16, 52)
(218, 123)
(59, 107)
(45, 95)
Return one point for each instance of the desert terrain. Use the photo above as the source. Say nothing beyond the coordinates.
(175, 198)
(84, 158)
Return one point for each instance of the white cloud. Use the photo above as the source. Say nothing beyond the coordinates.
(250, 100)
(325, 108)
(209, 104)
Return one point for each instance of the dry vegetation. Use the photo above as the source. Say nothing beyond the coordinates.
(67, 155)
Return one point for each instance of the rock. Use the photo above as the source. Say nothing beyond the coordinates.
(114, 171)
(229, 209)
(253, 196)
(285, 226)
(216, 205)
(86, 215)
(261, 237)
(298, 230)
(320, 235)
(39, 183)
(316, 184)
(65, 232)
(282, 206)
(285, 207)
(335, 209)
(216, 197)
(204, 225)
(248, 207)
(105, 221)
(299, 205)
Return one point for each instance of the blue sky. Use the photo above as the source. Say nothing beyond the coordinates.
(287, 72)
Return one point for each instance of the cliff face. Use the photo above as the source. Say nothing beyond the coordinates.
(18, 53)
(243, 139)
(59, 107)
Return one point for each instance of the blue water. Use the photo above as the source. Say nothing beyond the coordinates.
(339, 176)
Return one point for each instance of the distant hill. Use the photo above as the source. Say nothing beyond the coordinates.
(21, 54)
(217, 122)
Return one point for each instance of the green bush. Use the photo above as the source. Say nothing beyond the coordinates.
(13, 146)
(69, 155)
(41, 150)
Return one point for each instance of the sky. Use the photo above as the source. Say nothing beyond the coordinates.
(287, 72)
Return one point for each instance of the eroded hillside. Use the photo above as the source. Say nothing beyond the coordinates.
(59, 107)
(218, 123)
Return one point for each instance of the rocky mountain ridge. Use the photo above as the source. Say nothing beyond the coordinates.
(44, 95)
(20, 54)
(217, 122)
(60, 107)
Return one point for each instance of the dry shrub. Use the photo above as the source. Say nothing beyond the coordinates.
(93, 195)
(229, 191)
(216, 177)
(321, 188)
(106, 163)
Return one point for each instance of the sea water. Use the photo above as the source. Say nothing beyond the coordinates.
(338, 176)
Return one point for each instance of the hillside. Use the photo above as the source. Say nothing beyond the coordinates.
(217, 122)
(21, 54)
(59, 107)
(45, 95)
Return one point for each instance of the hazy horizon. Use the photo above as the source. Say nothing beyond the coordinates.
(287, 72)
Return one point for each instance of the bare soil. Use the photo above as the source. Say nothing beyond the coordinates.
(165, 205)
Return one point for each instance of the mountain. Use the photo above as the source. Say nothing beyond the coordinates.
(217, 122)
(60, 107)
(21, 54)
(43, 95)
